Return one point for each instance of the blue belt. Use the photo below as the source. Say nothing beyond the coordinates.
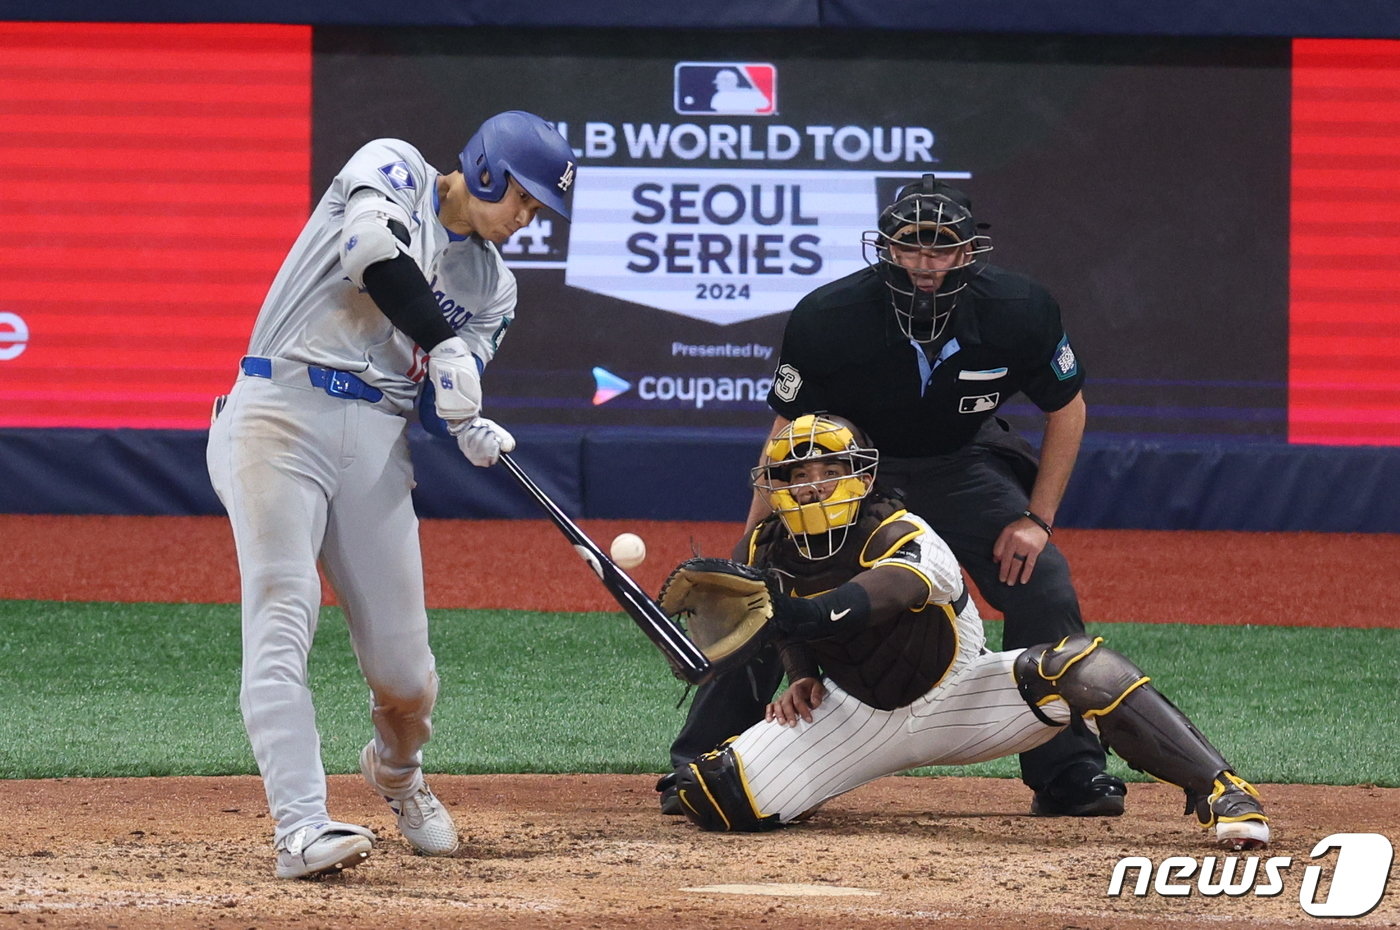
(333, 382)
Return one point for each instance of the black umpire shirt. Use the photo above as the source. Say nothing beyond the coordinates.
(843, 353)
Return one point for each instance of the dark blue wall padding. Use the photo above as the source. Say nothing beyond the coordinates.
(1317, 18)
(670, 475)
(1320, 18)
(449, 486)
(1235, 486)
(121, 471)
(730, 14)
(694, 475)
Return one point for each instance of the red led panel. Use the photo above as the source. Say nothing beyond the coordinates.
(1344, 330)
(155, 176)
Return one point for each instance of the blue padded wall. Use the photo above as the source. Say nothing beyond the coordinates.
(1235, 486)
(670, 475)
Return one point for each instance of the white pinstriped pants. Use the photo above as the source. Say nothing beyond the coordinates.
(974, 715)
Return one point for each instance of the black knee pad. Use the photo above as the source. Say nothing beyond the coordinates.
(715, 796)
(1090, 679)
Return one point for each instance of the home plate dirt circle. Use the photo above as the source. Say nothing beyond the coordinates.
(785, 890)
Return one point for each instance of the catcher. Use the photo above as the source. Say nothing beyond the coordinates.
(884, 653)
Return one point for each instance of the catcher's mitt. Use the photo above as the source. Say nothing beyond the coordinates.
(724, 605)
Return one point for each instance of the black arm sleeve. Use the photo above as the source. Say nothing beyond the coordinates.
(401, 291)
(804, 618)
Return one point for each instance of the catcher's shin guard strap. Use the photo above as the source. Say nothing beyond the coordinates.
(715, 796)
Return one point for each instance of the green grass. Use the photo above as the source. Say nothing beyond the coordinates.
(152, 689)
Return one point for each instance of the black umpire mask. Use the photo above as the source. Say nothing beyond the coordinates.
(928, 216)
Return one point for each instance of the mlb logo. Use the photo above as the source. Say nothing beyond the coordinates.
(726, 87)
(398, 174)
(980, 404)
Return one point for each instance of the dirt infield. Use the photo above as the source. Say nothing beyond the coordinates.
(592, 851)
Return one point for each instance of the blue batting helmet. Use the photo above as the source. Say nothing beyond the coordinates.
(519, 145)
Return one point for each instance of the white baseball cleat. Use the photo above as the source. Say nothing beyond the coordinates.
(422, 818)
(324, 848)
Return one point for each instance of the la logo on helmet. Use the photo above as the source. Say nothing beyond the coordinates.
(567, 178)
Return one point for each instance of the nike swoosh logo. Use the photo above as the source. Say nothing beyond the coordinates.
(835, 616)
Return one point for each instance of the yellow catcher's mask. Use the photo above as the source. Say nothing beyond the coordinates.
(836, 468)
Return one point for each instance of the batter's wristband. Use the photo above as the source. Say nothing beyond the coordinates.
(1038, 522)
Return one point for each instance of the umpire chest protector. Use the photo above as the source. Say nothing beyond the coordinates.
(888, 664)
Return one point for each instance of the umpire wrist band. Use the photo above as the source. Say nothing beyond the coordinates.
(1038, 522)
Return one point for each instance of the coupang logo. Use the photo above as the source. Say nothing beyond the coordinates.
(695, 391)
(14, 336)
(607, 385)
(726, 212)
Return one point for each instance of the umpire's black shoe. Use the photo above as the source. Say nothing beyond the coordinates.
(1081, 791)
(670, 799)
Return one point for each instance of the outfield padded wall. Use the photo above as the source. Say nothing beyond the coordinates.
(638, 474)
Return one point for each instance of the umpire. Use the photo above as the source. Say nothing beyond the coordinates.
(921, 348)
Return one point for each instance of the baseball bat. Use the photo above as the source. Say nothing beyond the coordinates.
(685, 657)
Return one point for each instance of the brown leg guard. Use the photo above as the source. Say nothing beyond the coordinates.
(1134, 720)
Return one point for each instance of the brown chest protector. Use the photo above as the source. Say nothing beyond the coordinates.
(892, 661)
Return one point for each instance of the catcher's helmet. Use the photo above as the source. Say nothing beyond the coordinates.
(927, 216)
(519, 145)
(819, 527)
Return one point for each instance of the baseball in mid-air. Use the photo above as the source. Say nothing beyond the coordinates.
(628, 550)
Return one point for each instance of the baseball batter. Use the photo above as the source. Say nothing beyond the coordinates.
(889, 671)
(396, 276)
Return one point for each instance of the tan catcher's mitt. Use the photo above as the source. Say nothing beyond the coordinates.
(723, 605)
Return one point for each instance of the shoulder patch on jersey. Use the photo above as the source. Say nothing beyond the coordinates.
(891, 539)
(786, 382)
(400, 178)
(1064, 364)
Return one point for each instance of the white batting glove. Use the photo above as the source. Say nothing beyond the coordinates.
(482, 441)
(456, 382)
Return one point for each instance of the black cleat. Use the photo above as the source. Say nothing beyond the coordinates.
(670, 800)
(1081, 791)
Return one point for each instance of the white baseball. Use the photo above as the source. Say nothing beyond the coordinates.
(628, 550)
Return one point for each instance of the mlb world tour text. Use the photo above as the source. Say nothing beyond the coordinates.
(722, 252)
(725, 142)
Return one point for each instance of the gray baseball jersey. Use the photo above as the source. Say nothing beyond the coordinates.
(315, 315)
